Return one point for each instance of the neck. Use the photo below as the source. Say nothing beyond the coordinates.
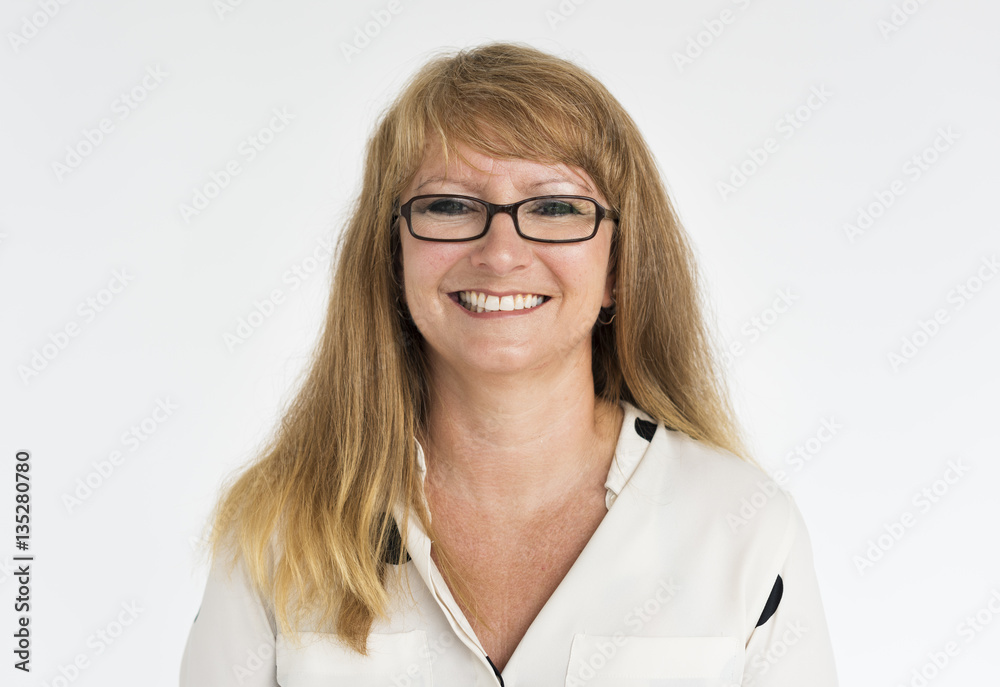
(516, 445)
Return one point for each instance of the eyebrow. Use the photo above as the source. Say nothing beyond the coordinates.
(473, 187)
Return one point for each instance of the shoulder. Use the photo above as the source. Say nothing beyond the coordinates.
(711, 467)
(716, 519)
(723, 491)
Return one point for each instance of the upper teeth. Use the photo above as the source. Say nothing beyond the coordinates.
(481, 302)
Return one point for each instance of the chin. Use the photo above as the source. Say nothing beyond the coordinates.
(491, 357)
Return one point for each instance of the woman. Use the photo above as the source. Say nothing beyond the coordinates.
(512, 461)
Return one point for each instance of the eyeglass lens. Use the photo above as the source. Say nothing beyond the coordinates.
(553, 218)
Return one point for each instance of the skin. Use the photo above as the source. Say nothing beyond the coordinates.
(512, 406)
(517, 445)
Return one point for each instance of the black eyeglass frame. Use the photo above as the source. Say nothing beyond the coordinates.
(511, 209)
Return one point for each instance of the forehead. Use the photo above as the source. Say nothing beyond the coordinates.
(471, 168)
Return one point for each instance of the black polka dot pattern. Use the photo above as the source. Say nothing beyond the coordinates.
(772, 601)
(645, 428)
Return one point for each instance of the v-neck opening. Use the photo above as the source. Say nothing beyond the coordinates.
(629, 451)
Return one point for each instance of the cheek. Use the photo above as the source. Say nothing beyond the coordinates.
(425, 266)
(585, 271)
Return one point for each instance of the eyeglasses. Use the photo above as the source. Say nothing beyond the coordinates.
(548, 219)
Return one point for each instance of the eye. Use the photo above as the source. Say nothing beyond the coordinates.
(554, 208)
(448, 207)
(560, 207)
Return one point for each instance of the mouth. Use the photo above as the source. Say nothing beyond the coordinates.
(478, 301)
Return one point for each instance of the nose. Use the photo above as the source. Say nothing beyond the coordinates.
(502, 249)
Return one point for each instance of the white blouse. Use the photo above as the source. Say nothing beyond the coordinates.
(700, 574)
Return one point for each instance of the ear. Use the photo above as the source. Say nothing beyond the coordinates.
(610, 290)
(611, 282)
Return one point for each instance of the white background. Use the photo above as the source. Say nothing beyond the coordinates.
(63, 235)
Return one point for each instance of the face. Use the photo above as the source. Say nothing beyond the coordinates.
(573, 279)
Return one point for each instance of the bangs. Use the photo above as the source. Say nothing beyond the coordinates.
(506, 128)
(541, 110)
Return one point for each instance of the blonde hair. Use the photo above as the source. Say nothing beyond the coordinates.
(343, 453)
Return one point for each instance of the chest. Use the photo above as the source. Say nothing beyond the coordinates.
(504, 573)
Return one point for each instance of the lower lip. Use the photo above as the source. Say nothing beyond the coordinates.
(499, 313)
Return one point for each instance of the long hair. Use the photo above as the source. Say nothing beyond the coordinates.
(343, 454)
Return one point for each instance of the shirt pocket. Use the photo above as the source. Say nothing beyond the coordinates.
(621, 661)
(321, 660)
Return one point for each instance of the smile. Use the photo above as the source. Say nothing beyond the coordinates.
(477, 301)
